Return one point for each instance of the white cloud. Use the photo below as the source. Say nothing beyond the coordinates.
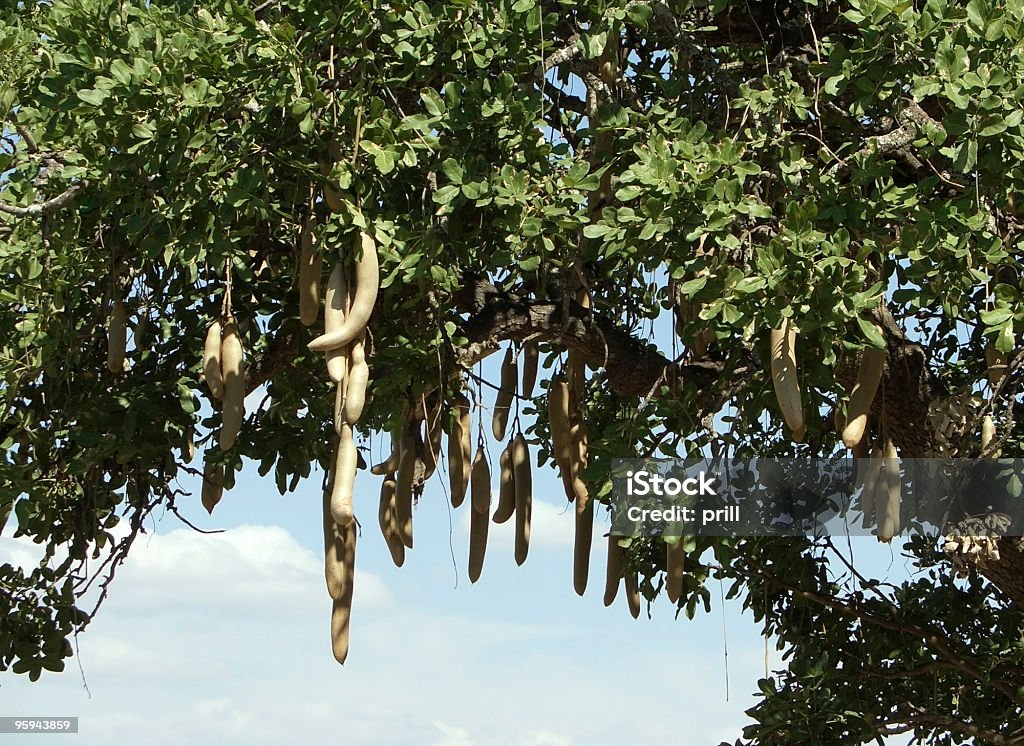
(225, 639)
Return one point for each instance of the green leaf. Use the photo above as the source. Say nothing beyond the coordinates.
(996, 316)
(446, 194)
(121, 71)
(628, 193)
(693, 286)
(530, 264)
(1006, 341)
(92, 96)
(453, 170)
(597, 230)
(432, 101)
(871, 333)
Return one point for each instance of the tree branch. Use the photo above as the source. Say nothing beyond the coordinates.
(633, 366)
(43, 208)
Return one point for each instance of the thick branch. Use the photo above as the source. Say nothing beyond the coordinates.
(633, 367)
(43, 208)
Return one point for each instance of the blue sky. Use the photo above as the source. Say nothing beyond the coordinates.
(225, 638)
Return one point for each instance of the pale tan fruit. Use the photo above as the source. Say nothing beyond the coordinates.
(480, 482)
(310, 272)
(524, 496)
(988, 433)
(506, 487)
(632, 593)
(336, 301)
(888, 494)
(117, 337)
(996, 362)
(432, 442)
(675, 559)
(582, 542)
(358, 379)
(503, 401)
(530, 358)
(334, 550)
(387, 517)
(232, 361)
(784, 377)
(189, 451)
(345, 462)
(579, 462)
(569, 445)
(403, 488)
(868, 377)
(341, 612)
(478, 528)
(211, 360)
(613, 569)
(869, 495)
(367, 284)
(332, 198)
(213, 485)
(459, 453)
(339, 406)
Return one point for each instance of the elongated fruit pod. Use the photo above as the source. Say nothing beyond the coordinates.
(310, 271)
(332, 198)
(403, 488)
(213, 485)
(632, 592)
(861, 462)
(988, 433)
(530, 356)
(459, 454)
(336, 302)
(613, 569)
(211, 359)
(872, 364)
(232, 361)
(579, 461)
(367, 284)
(675, 559)
(561, 436)
(188, 452)
(524, 496)
(481, 483)
(390, 464)
(358, 379)
(334, 549)
(117, 337)
(339, 406)
(889, 495)
(506, 487)
(341, 611)
(868, 495)
(582, 541)
(503, 401)
(387, 517)
(345, 462)
(478, 527)
(996, 362)
(432, 442)
(784, 377)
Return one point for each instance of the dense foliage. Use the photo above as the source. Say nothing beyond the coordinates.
(851, 165)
